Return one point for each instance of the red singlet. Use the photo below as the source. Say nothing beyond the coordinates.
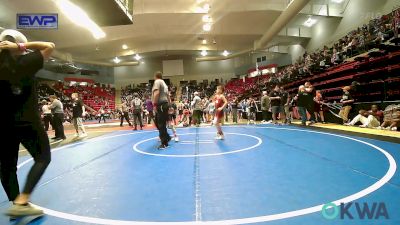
(219, 102)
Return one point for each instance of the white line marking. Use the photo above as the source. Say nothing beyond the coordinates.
(135, 147)
(56, 142)
(197, 194)
(99, 131)
(389, 174)
(194, 142)
(96, 139)
(197, 142)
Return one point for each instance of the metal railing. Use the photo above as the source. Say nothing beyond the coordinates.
(127, 6)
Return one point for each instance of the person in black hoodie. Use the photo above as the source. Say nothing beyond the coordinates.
(22, 121)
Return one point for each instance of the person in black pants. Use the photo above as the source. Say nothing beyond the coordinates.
(275, 101)
(234, 105)
(137, 108)
(124, 114)
(302, 99)
(58, 118)
(102, 115)
(197, 109)
(22, 120)
(161, 100)
(310, 104)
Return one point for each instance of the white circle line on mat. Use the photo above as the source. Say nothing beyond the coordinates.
(259, 142)
(285, 215)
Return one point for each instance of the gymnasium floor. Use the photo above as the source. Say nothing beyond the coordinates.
(260, 174)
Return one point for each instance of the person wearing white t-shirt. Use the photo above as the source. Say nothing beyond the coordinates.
(47, 117)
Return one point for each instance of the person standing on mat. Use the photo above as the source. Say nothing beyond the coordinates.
(124, 114)
(310, 101)
(137, 111)
(211, 110)
(275, 101)
(220, 104)
(78, 111)
(47, 117)
(57, 110)
(161, 101)
(149, 108)
(172, 118)
(197, 107)
(285, 100)
(318, 106)
(234, 105)
(22, 120)
(265, 106)
(302, 99)
(102, 113)
(252, 111)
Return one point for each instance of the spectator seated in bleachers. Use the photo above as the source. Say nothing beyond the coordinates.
(391, 118)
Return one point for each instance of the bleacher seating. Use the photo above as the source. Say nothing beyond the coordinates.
(368, 56)
(93, 96)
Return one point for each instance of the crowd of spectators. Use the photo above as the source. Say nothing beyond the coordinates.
(99, 101)
(380, 34)
(95, 96)
(206, 90)
(377, 32)
(372, 35)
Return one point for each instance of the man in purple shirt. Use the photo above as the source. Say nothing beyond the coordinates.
(149, 108)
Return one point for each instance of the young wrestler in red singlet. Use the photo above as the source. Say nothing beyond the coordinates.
(220, 104)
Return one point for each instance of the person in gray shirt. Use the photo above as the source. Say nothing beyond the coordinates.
(161, 101)
(265, 106)
(58, 117)
(197, 107)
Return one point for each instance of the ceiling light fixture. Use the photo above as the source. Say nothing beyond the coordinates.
(206, 8)
(207, 27)
(124, 46)
(338, 1)
(204, 53)
(204, 41)
(225, 53)
(117, 60)
(207, 19)
(137, 57)
(310, 22)
(79, 17)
